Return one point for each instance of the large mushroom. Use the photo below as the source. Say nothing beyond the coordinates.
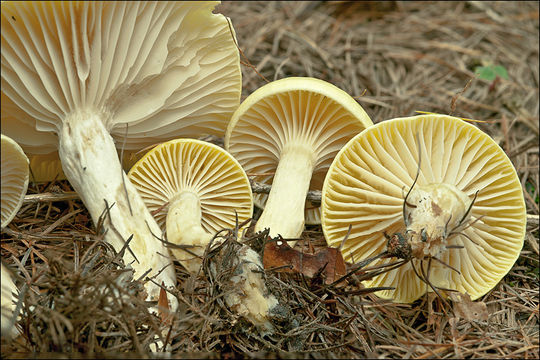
(434, 191)
(287, 133)
(93, 76)
(196, 189)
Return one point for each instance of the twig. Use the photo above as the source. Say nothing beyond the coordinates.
(49, 196)
(314, 196)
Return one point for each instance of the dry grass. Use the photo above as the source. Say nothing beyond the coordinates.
(396, 58)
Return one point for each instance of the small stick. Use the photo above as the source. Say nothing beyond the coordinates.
(46, 197)
(248, 63)
(314, 196)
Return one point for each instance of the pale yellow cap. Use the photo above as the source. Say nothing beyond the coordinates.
(318, 112)
(367, 182)
(202, 168)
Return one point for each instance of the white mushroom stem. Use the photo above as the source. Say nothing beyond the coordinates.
(284, 210)
(90, 163)
(437, 209)
(249, 297)
(183, 226)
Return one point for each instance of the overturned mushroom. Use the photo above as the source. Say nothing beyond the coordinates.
(195, 189)
(87, 77)
(433, 191)
(292, 127)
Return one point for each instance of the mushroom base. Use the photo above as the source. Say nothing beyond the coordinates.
(248, 294)
(433, 212)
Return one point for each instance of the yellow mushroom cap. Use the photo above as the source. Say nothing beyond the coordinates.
(14, 178)
(369, 178)
(46, 167)
(318, 112)
(198, 166)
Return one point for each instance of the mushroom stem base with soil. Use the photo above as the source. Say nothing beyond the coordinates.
(248, 294)
(90, 163)
(437, 209)
(434, 213)
(284, 208)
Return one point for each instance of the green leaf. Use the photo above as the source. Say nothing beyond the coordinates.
(485, 73)
(501, 72)
(491, 72)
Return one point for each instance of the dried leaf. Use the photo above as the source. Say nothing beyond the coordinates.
(467, 309)
(328, 261)
(163, 306)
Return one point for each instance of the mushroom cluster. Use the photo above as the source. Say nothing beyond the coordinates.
(82, 80)
(432, 190)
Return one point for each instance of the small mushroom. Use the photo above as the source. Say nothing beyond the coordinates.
(195, 189)
(14, 179)
(88, 77)
(434, 191)
(287, 133)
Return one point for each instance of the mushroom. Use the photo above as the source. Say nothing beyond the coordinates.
(14, 178)
(195, 189)
(85, 75)
(286, 133)
(433, 191)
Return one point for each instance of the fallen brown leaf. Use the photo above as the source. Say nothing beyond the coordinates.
(163, 307)
(328, 261)
(469, 310)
